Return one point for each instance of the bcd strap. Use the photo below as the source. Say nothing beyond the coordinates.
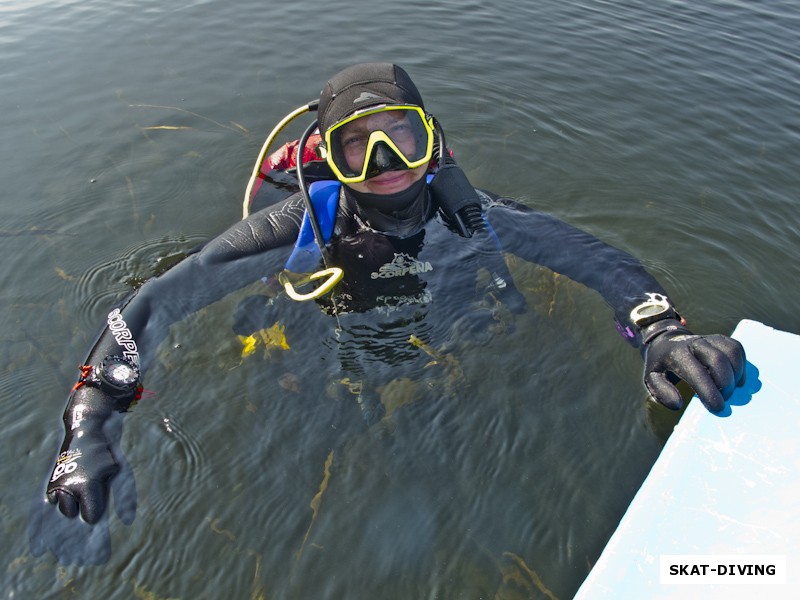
(306, 256)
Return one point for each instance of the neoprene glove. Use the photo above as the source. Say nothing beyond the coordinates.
(712, 365)
(80, 479)
(90, 455)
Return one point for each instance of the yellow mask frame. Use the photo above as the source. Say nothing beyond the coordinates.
(380, 136)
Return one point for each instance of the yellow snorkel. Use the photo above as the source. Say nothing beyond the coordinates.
(333, 274)
(288, 279)
(265, 150)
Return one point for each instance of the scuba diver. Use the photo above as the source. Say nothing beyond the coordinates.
(372, 236)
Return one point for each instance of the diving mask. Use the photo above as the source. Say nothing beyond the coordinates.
(384, 138)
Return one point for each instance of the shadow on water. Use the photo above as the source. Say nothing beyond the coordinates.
(662, 421)
(743, 395)
(71, 540)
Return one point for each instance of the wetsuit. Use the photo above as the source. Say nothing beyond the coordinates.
(384, 275)
(417, 284)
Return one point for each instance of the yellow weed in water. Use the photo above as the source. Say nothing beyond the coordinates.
(249, 343)
(166, 127)
(316, 502)
(274, 337)
(215, 527)
(270, 339)
(64, 275)
(143, 594)
(397, 393)
(520, 581)
(452, 368)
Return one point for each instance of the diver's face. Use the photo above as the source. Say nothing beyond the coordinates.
(354, 138)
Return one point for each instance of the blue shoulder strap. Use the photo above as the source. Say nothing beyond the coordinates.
(325, 199)
(306, 256)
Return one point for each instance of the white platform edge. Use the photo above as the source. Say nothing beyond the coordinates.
(722, 485)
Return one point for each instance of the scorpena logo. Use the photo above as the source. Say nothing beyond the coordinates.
(402, 265)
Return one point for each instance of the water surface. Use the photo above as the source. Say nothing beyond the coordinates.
(668, 129)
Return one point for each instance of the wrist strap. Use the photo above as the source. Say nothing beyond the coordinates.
(654, 330)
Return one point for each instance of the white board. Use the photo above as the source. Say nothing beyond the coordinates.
(723, 485)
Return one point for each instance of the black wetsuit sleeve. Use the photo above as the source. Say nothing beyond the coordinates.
(252, 249)
(539, 238)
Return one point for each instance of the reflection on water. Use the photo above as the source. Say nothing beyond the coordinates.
(496, 467)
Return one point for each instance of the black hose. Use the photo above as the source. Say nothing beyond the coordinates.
(301, 180)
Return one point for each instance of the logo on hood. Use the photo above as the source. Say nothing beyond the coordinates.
(366, 96)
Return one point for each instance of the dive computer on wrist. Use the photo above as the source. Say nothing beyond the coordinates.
(656, 308)
(117, 376)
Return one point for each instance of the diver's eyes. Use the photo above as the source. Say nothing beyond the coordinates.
(354, 140)
(401, 132)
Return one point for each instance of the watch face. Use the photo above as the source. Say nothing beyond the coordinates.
(119, 373)
(651, 310)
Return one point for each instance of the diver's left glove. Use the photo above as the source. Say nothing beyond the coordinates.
(712, 365)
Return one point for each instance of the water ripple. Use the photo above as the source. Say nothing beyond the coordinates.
(107, 282)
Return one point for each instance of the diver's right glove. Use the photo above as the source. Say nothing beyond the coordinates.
(90, 468)
(80, 479)
(86, 463)
(89, 465)
(713, 365)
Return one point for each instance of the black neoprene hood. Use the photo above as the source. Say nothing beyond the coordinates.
(362, 86)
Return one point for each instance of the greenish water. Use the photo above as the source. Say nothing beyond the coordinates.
(668, 129)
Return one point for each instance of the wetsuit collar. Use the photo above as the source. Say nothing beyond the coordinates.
(399, 215)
